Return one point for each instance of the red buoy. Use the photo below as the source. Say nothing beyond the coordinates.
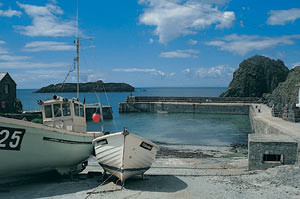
(96, 117)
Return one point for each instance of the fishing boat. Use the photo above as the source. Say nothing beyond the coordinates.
(124, 154)
(61, 143)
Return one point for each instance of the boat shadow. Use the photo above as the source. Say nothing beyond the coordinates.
(156, 183)
(49, 185)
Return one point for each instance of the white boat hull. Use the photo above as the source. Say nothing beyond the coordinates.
(27, 148)
(125, 155)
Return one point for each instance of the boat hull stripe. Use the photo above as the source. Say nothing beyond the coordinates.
(124, 170)
(64, 141)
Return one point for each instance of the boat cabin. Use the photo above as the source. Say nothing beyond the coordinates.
(63, 113)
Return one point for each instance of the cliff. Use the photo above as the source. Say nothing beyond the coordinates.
(98, 86)
(285, 97)
(256, 76)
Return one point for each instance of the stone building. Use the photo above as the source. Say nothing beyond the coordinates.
(7, 93)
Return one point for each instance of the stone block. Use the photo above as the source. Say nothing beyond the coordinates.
(267, 151)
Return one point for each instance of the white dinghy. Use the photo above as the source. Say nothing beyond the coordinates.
(124, 154)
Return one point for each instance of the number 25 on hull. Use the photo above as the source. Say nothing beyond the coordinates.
(11, 138)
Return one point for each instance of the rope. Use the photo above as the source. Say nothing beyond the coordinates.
(63, 84)
(107, 99)
(115, 125)
(97, 192)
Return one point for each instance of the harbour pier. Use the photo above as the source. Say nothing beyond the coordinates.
(275, 141)
(215, 105)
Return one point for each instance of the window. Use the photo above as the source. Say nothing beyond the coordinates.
(57, 111)
(6, 88)
(76, 109)
(272, 158)
(66, 109)
(48, 111)
(81, 111)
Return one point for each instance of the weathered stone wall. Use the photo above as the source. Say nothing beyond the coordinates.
(258, 125)
(239, 109)
(134, 99)
(187, 104)
(261, 145)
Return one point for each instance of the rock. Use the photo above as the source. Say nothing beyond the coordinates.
(285, 96)
(256, 76)
(98, 86)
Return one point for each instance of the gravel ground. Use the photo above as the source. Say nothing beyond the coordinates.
(178, 172)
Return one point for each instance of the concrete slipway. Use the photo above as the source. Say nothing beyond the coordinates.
(178, 172)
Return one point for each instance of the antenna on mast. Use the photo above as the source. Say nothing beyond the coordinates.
(77, 42)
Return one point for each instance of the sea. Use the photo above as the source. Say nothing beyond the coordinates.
(168, 128)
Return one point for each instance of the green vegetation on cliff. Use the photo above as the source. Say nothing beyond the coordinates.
(287, 92)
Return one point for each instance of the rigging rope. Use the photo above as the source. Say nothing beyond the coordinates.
(63, 84)
(107, 99)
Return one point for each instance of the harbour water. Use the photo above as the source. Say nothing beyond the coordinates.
(175, 128)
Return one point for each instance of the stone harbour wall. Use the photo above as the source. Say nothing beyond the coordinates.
(135, 99)
(239, 109)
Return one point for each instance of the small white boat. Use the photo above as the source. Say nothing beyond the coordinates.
(124, 154)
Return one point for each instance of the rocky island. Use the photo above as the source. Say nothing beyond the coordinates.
(272, 81)
(98, 86)
(256, 76)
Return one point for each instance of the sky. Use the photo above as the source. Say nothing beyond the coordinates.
(146, 43)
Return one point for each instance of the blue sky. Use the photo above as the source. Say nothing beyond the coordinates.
(146, 43)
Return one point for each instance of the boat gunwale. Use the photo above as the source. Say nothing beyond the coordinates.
(43, 127)
(120, 133)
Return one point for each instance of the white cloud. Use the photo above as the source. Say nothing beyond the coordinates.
(187, 70)
(33, 77)
(2, 50)
(192, 42)
(37, 46)
(295, 64)
(216, 71)
(24, 65)
(220, 71)
(151, 71)
(189, 53)
(281, 17)
(242, 44)
(172, 74)
(9, 12)
(45, 22)
(95, 77)
(13, 58)
(177, 17)
(217, 2)
(151, 41)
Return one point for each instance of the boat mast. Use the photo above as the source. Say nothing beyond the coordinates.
(77, 50)
(77, 61)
